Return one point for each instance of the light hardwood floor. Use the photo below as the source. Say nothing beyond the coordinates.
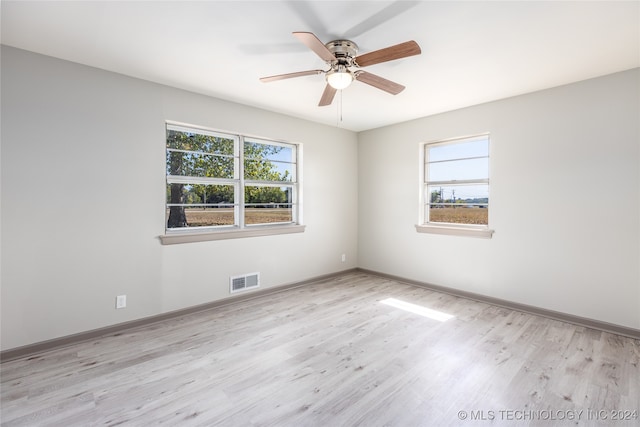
(331, 354)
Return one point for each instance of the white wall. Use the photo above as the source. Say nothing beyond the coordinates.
(83, 201)
(565, 193)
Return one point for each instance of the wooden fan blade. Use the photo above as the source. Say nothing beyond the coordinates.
(313, 43)
(390, 53)
(290, 75)
(327, 96)
(380, 83)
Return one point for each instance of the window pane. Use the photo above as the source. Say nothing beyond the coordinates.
(198, 164)
(190, 194)
(198, 142)
(465, 194)
(269, 151)
(268, 215)
(477, 147)
(459, 215)
(459, 170)
(264, 204)
(210, 216)
(196, 205)
(269, 162)
(263, 195)
(268, 170)
(459, 204)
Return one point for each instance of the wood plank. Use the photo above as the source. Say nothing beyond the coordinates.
(327, 353)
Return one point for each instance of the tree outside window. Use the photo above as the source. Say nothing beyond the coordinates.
(221, 180)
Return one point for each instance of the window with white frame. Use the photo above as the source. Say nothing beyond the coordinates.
(219, 181)
(455, 183)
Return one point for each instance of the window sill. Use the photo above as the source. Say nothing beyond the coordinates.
(485, 233)
(192, 237)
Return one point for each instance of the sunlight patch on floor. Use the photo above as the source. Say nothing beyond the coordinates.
(418, 309)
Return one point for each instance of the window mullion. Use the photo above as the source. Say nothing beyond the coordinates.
(269, 183)
(240, 190)
(458, 159)
(181, 179)
(176, 150)
(459, 182)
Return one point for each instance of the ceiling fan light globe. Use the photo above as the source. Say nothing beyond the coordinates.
(339, 79)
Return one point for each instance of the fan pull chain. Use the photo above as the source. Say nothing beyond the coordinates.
(339, 111)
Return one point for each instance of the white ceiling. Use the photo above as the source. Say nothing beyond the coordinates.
(472, 52)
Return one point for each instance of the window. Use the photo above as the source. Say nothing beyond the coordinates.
(219, 182)
(455, 187)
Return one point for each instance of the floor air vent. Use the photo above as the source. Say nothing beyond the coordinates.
(244, 282)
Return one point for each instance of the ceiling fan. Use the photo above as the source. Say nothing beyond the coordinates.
(344, 65)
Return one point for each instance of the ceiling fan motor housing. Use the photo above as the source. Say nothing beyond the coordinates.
(344, 50)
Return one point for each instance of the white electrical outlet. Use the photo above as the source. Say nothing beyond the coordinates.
(344, 257)
(121, 301)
